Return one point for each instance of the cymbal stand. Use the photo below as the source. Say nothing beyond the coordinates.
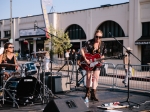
(23, 67)
(46, 92)
(3, 89)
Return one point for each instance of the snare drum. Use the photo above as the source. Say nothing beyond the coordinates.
(25, 86)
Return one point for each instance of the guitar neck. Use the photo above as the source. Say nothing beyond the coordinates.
(100, 59)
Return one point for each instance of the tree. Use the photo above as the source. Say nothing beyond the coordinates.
(60, 42)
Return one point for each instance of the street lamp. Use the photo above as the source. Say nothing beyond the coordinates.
(35, 25)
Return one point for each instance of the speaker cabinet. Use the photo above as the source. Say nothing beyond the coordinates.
(75, 104)
(59, 83)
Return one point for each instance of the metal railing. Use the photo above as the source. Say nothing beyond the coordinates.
(139, 79)
(107, 75)
(110, 77)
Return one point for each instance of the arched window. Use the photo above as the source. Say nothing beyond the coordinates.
(113, 27)
(75, 32)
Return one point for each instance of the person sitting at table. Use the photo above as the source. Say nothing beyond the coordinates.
(8, 57)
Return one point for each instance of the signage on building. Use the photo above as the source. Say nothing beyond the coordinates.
(31, 32)
(141, 43)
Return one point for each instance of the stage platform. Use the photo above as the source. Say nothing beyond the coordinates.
(105, 96)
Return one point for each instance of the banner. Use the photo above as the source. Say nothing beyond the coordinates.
(45, 15)
(47, 2)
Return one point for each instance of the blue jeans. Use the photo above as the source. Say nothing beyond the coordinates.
(83, 73)
(127, 75)
(9, 71)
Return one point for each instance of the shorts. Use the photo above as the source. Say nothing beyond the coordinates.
(96, 68)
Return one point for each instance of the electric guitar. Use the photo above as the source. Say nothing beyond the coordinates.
(94, 59)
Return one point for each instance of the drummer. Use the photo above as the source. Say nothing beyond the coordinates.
(9, 57)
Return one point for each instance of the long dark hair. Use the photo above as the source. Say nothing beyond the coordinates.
(5, 50)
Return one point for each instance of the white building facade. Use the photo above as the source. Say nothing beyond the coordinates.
(128, 22)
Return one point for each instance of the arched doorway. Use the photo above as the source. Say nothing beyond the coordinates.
(76, 32)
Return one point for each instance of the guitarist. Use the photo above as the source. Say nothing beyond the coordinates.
(93, 46)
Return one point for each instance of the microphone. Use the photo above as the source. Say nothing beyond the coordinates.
(110, 34)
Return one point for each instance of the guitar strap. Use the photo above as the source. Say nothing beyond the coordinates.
(102, 48)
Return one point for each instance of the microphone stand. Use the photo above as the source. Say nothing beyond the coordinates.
(129, 52)
(35, 26)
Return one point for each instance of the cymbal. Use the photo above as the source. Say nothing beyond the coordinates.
(7, 65)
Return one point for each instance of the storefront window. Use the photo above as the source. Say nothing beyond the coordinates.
(145, 54)
(113, 48)
(39, 45)
(83, 43)
(146, 29)
(75, 45)
(24, 47)
(7, 33)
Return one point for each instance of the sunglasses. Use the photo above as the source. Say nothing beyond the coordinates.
(10, 47)
(98, 37)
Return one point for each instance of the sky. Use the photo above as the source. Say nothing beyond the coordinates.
(23, 8)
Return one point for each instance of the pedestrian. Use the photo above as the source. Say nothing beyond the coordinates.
(67, 56)
(72, 56)
(46, 61)
(80, 69)
(27, 54)
(126, 63)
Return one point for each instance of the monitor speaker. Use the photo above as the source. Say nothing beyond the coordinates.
(75, 104)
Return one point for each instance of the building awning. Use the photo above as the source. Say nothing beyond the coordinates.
(31, 38)
(4, 39)
(143, 41)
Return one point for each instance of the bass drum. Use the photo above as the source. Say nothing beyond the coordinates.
(25, 87)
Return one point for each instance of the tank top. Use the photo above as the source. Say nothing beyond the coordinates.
(10, 61)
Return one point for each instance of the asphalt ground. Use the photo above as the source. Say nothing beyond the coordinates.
(105, 96)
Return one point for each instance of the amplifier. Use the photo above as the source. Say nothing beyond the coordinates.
(59, 83)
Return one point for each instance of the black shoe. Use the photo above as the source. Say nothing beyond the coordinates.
(125, 85)
(123, 82)
(78, 84)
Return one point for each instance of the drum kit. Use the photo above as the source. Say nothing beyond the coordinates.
(23, 87)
